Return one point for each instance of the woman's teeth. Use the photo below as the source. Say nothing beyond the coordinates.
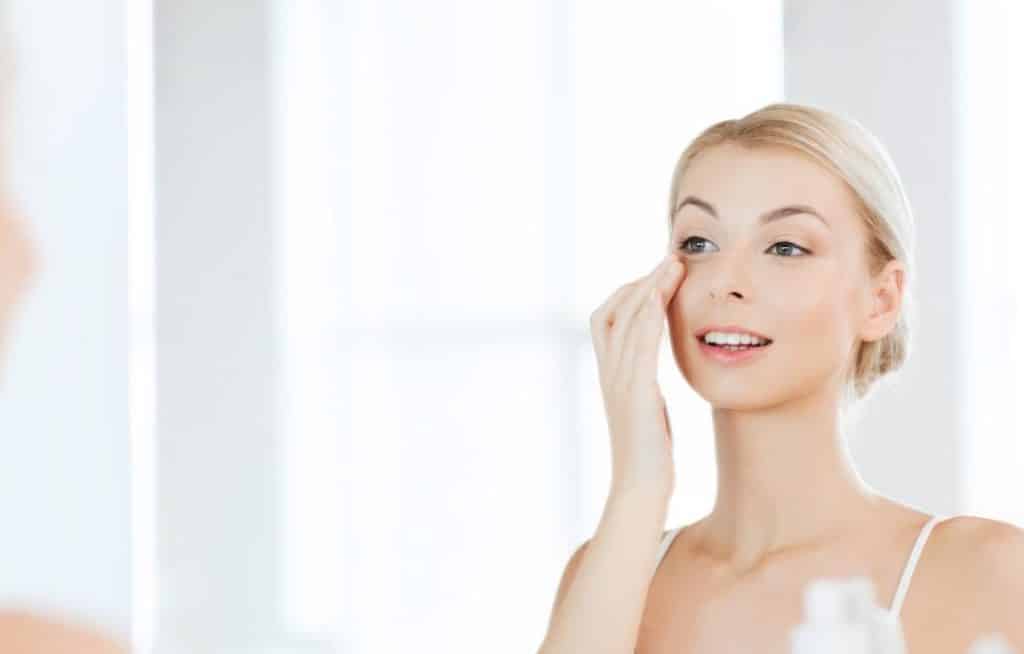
(733, 341)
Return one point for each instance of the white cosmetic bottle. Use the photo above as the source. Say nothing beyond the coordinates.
(841, 617)
(991, 644)
(886, 630)
(827, 627)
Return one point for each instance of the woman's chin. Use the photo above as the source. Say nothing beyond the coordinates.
(735, 404)
(733, 394)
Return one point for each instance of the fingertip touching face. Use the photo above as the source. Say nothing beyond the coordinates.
(772, 242)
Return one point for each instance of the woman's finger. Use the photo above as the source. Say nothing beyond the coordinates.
(662, 277)
(602, 317)
(639, 354)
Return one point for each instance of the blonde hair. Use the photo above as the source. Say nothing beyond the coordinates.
(856, 157)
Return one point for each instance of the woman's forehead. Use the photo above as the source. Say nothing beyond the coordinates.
(738, 180)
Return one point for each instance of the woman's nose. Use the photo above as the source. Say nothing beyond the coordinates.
(731, 275)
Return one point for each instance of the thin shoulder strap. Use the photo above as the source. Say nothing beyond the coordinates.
(666, 541)
(908, 569)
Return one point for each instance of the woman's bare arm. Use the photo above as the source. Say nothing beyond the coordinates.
(603, 590)
(601, 597)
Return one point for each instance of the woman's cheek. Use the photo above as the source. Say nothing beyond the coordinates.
(677, 307)
(813, 317)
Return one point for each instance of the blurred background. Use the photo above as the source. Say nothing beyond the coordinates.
(66, 396)
(309, 366)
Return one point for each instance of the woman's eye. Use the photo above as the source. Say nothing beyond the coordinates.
(683, 244)
(791, 244)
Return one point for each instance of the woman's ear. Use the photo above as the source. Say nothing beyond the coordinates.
(884, 302)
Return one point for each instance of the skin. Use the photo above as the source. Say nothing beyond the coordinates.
(790, 506)
(23, 631)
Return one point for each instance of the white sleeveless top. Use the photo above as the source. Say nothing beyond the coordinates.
(908, 569)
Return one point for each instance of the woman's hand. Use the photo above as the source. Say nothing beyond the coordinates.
(626, 331)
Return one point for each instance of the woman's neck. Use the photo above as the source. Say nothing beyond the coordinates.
(785, 482)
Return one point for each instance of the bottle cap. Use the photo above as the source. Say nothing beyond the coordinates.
(861, 595)
(993, 643)
(825, 600)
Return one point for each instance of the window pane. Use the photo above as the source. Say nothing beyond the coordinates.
(448, 207)
(990, 92)
(452, 474)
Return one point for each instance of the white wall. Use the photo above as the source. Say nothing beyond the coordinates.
(64, 405)
(890, 66)
(217, 526)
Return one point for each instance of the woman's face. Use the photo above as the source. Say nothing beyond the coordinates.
(799, 280)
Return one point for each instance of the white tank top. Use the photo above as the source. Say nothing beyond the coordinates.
(908, 569)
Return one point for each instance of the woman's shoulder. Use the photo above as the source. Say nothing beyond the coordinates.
(987, 540)
(982, 562)
(984, 551)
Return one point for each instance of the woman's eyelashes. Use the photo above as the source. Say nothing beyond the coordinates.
(791, 247)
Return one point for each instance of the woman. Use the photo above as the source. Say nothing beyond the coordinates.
(789, 231)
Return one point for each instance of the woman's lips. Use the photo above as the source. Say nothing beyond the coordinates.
(726, 356)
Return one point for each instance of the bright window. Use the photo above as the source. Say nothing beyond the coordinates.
(992, 100)
(465, 183)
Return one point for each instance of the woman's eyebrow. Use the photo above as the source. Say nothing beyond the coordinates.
(767, 217)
